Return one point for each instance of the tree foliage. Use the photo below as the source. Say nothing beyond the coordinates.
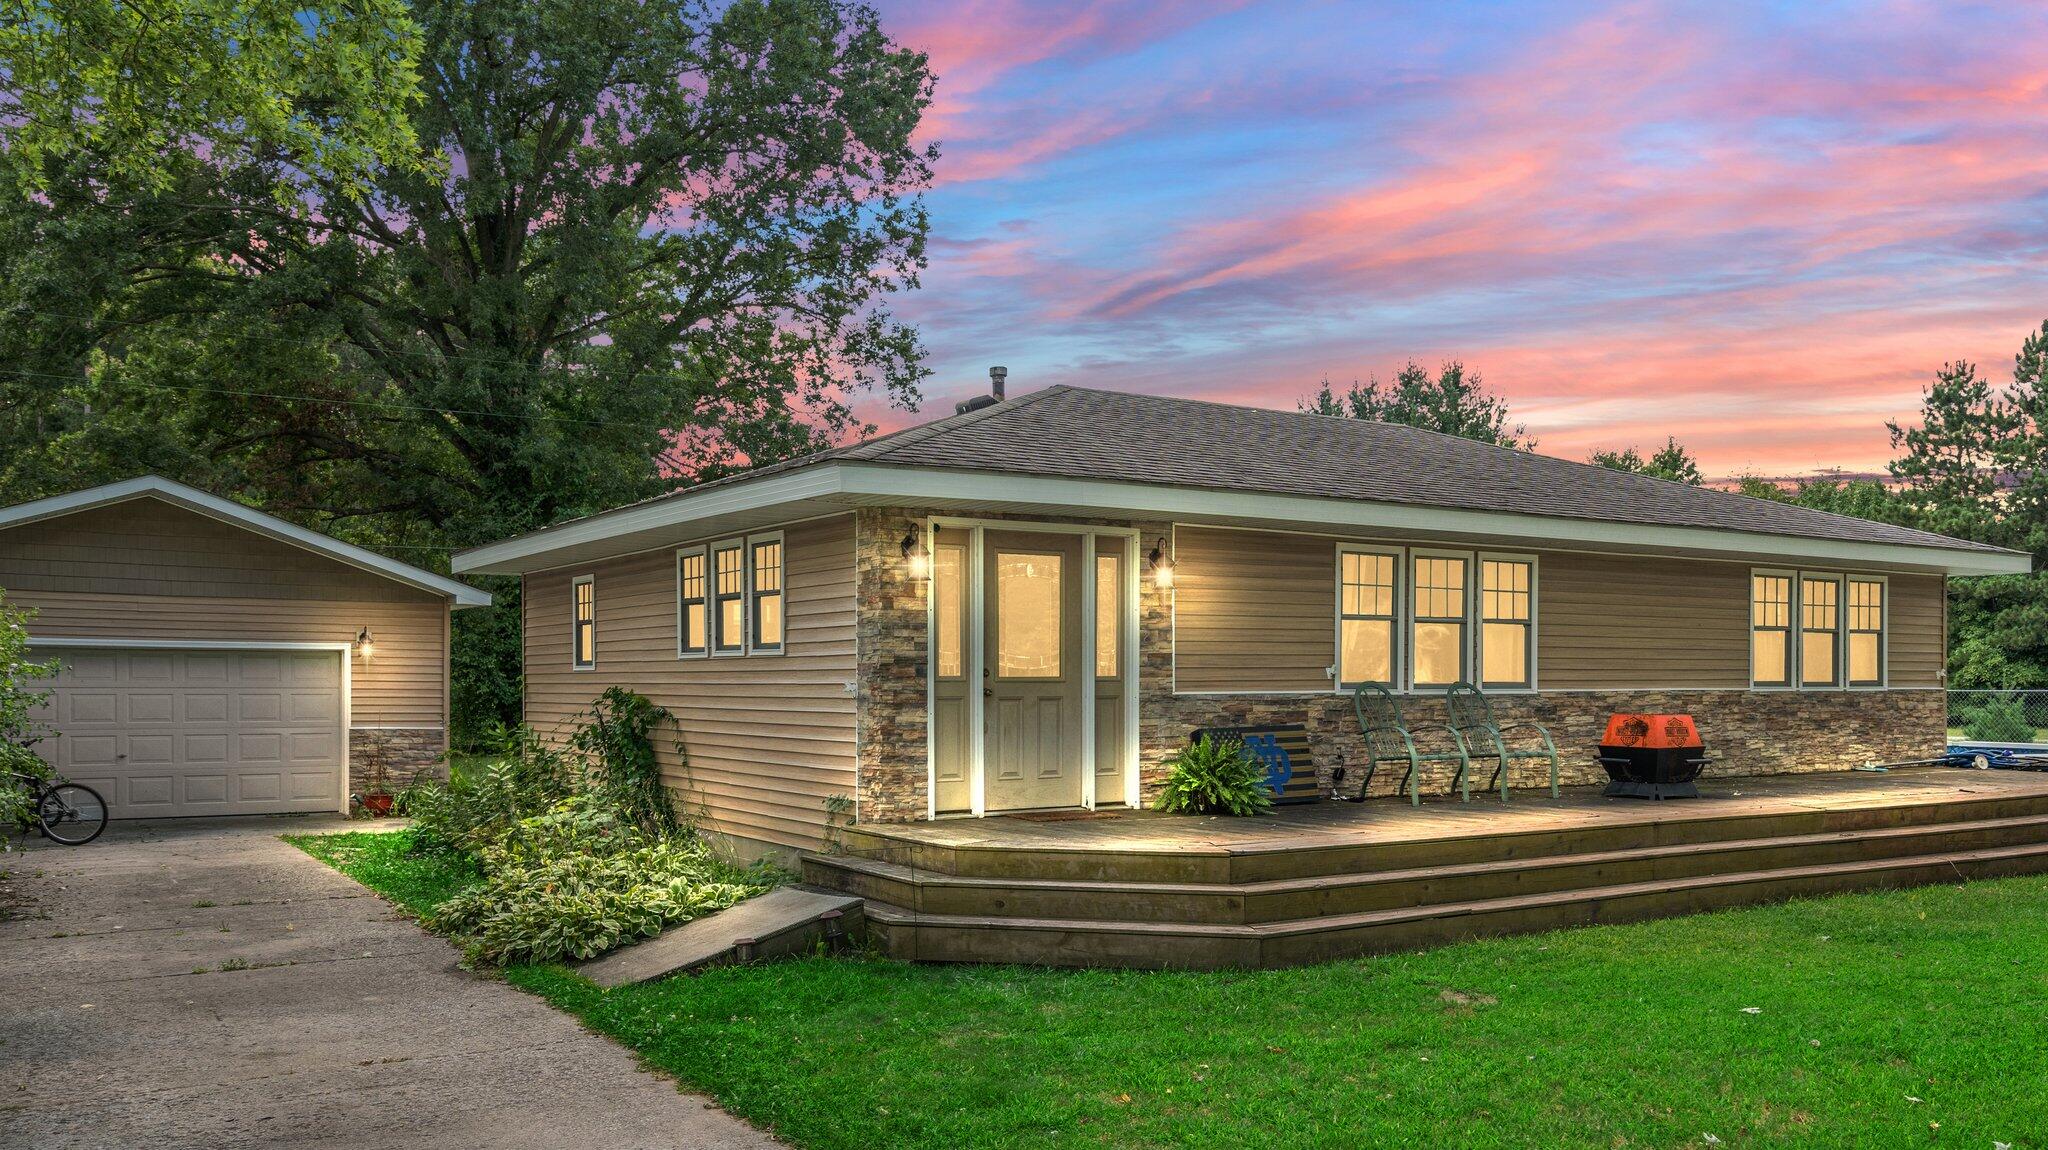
(657, 241)
(1454, 401)
(1672, 461)
(325, 87)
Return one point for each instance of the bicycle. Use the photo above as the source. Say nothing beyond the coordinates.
(69, 814)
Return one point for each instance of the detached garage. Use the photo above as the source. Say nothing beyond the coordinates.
(217, 660)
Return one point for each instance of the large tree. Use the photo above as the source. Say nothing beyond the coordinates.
(1454, 401)
(657, 241)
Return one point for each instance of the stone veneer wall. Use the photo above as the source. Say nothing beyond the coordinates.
(889, 643)
(1750, 732)
(405, 752)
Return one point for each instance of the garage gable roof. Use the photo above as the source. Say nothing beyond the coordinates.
(249, 519)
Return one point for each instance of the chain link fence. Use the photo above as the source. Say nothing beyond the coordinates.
(2006, 718)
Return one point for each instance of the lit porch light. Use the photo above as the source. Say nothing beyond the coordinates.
(1162, 567)
(914, 555)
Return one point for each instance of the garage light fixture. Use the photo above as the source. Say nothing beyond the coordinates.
(365, 646)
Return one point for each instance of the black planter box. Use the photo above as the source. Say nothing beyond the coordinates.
(1653, 772)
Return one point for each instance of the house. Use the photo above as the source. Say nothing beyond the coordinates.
(1031, 604)
(219, 661)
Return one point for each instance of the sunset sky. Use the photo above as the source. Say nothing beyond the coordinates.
(1758, 227)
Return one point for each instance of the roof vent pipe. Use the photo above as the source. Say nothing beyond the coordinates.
(996, 378)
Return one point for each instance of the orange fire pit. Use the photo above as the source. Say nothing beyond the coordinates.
(1652, 756)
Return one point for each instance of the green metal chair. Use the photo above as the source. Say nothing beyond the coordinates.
(1389, 739)
(1472, 717)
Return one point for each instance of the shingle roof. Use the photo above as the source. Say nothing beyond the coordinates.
(1081, 433)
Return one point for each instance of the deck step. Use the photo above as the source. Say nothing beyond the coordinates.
(787, 920)
(1307, 852)
(909, 934)
(1274, 900)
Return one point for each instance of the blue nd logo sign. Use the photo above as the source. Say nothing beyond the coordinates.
(1279, 768)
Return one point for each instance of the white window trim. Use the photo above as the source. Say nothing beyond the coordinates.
(1884, 633)
(1795, 655)
(1841, 628)
(1478, 624)
(782, 593)
(714, 630)
(576, 623)
(1416, 554)
(683, 553)
(1401, 579)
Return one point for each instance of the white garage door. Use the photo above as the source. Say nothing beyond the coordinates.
(166, 733)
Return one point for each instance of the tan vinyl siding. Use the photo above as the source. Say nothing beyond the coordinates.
(1253, 611)
(1640, 621)
(1917, 618)
(149, 547)
(770, 737)
(150, 571)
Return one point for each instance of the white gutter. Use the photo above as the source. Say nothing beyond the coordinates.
(854, 484)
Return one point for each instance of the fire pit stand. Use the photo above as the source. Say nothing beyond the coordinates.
(1652, 756)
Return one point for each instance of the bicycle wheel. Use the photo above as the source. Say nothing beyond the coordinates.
(72, 814)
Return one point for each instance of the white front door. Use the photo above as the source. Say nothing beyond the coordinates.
(164, 733)
(1031, 671)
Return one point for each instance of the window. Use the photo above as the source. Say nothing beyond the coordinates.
(1109, 597)
(765, 607)
(1820, 622)
(1506, 620)
(1816, 630)
(949, 595)
(1028, 615)
(693, 603)
(583, 623)
(1866, 632)
(1770, 630)
(729, 598)
(1437, 636)
(1366, 610)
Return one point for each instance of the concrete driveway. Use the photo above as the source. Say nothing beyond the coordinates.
(203, 984)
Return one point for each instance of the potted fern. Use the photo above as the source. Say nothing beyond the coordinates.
(1215, 776)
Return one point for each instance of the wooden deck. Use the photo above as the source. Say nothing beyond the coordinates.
(1137, 888)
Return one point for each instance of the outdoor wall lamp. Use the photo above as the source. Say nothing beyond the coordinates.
(365, 646)
(1162, 567)
(914, 555)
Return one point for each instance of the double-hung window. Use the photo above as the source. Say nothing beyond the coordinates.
(1368, 617)
(1816, 630)
(1820, 627)
(764, 602)
(1438, 632)
(1507, 623)
(1770, 629)
(582, 623)
(729, 598)
(1866, 632)
(693, 602)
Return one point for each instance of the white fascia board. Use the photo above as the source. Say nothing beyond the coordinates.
(523, 553)
(248, 518)
(1106, 499)
(854, 483)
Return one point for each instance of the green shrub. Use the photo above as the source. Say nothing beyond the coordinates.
(618, 748)
(23, 688)
(579, 880)
(2001, 719)
(483, 800)
(1216, 777)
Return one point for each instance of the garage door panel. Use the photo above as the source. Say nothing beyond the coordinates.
(164, 732)
(205, 707)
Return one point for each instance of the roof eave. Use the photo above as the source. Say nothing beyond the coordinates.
(844, 485)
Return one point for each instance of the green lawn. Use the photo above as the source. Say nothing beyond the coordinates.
(1896, 1019)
